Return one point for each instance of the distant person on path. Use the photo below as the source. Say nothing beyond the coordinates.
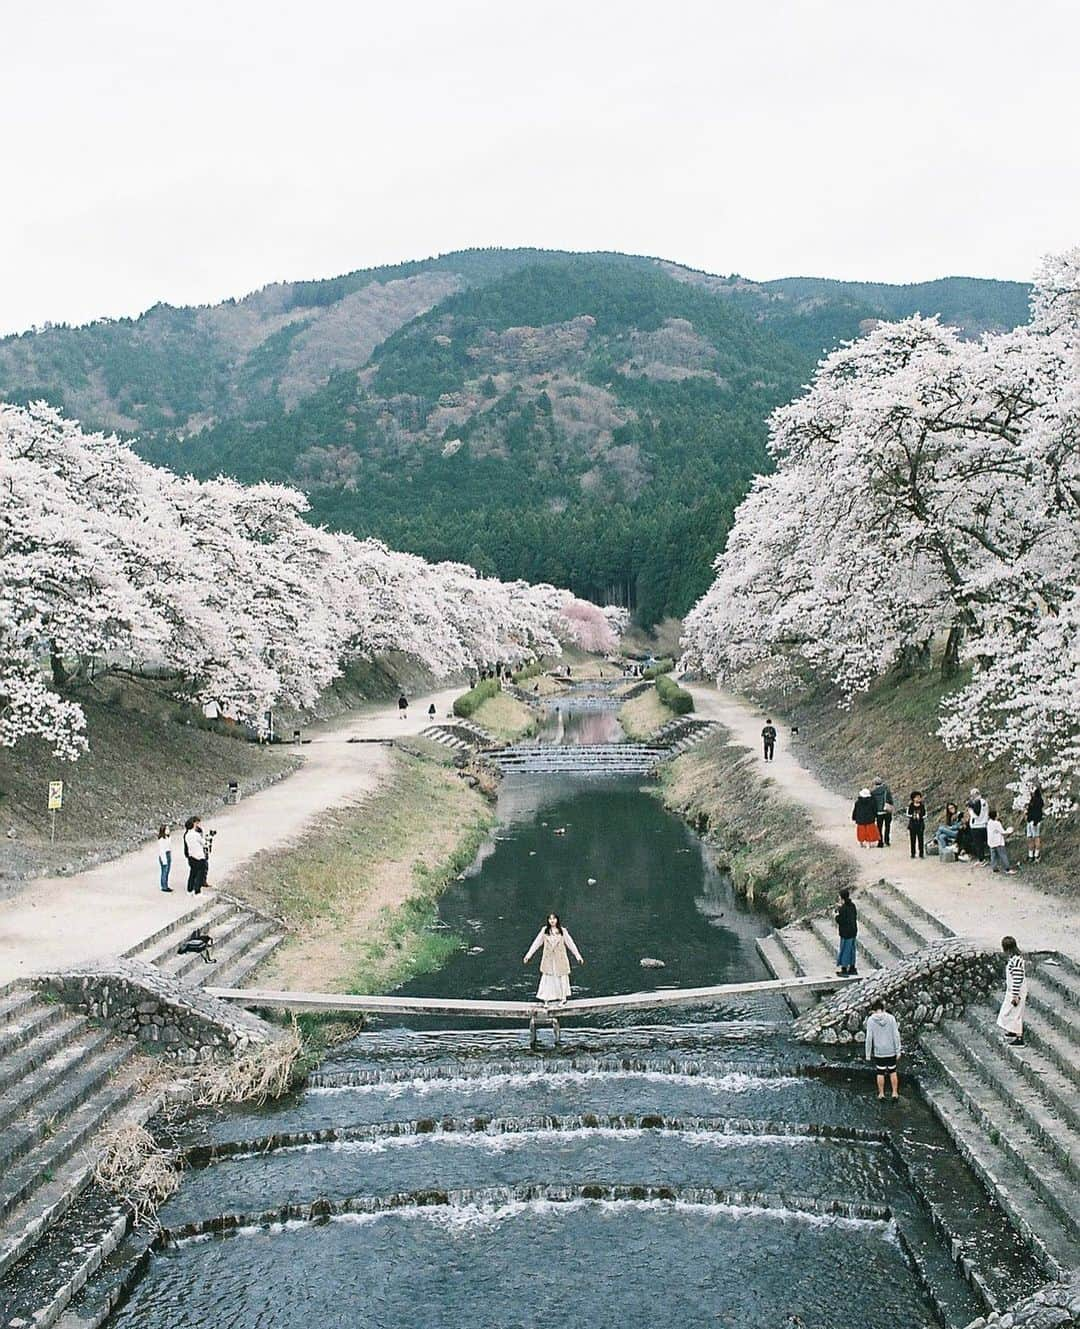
(947, 833)
(847, 925)
(916, 823)
(980, 815)
(431, 711)
(883, 1048)
(164, 858)
(1011, 1016)
(768, 740)
(864, 815)
(554, 963)
(403, 706)
(883, 802)
(995, 839)
(1034, 816)
(195, 853)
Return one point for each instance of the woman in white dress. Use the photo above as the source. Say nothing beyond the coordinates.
(554, 962)
(1011, 1016)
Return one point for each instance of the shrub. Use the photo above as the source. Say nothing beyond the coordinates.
(529, 671)
(659, 669)
(469, 702)
(674, 697)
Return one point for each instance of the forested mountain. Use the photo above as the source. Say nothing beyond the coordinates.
(586, 419)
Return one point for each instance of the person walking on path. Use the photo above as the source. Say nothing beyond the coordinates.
(847, 925)
(995, 840)
(768, 740)
(164, 858)
(883, 802)
(916, 823)
(883, 1048)
(1011, 1016)
(980, 815)
(1034, 816)
(864, 815)
(195, 853)
(554, 962)
(403, 706)
(948, 832)
(431, 711)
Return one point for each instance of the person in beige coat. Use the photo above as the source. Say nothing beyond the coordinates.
(555, 941)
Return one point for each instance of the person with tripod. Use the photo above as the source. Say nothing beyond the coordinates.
(197, 853)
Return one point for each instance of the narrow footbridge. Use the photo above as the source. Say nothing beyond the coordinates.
(663, 998)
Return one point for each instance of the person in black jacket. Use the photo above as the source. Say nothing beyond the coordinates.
(916, 822)
(864, 815)
(768, 740)
(847, 924)
(1034, 823)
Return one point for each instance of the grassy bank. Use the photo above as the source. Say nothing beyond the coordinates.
(642, 716)
(505, 717)
(360, 889)
(766, 842)
(890, 731)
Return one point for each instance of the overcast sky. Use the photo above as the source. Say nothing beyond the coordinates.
(189, 152)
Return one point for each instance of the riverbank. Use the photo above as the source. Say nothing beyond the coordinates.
(506, 718)
(359, 889)
(642, 716)
(766, 841)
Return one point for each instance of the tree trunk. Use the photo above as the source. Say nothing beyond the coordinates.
(914, 659)
(950, 661)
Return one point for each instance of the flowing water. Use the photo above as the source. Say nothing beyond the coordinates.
(704, 1173)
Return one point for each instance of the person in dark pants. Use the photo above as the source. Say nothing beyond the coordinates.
(768, 740)
(980, 815)
(1034, 817)
(195, 853)
(883, 801)
(847, 925)
(916, 822)
(403, 706)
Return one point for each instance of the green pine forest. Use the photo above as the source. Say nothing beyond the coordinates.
(586, 419)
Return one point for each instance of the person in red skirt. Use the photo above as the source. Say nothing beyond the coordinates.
(864, 815)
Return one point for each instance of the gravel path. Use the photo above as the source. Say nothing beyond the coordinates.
(968, 898)
(54, 922)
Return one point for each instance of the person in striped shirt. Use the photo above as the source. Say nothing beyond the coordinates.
(1011, 1016)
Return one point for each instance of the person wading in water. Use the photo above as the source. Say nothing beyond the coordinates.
(554, 963)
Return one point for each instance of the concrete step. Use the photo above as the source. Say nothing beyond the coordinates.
(1046, 1003)
(31, 1087)
(925, 923)
(781, 963)
(1040, 1071)
(62, 1098)
(43, 1162)
(1052, 1241)
(223, 930)
(1058, 975)
(870, 954)
(32, 1019)
(987, 1054)
(54, 1030)
(161, 948)
(886, 938)
(15, 1005)
(236, 958)
(1022, 1156)
(1047, 1028)
(246, 965)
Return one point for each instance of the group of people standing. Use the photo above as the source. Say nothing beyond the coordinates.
(975, 831)
(196, 850)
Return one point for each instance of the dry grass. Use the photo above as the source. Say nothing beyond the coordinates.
(266, 1071)
(505, 717)
(135, 1168)
(642, 716)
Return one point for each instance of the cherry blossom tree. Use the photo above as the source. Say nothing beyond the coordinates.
(586, 625)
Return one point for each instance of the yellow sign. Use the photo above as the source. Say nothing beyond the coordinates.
(56, 795)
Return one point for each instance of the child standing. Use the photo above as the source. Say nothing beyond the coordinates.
(916, 822)
(995, 842)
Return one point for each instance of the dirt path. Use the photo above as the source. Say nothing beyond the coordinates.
(969, 899)
(59, 921)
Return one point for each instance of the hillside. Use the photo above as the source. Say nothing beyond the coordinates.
(589, 420)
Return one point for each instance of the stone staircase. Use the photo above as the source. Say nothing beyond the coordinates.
(682, 733)
(578, 758)
(460, 736)
(1013, 1112)
(243, 939)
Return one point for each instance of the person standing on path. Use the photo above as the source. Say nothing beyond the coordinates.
(847, 925)
(1034, 816)
(883, 802)
(864, 815)
(403, 706)
(995, 840)
(1011, 1016)
(980, 815)
(768, 740)
(431, 711)
(554, 963)
(883, 1048)
(195, 853)
(916, 823)
(164, 858)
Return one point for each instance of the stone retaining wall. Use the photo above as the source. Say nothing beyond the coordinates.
(1054, 1307)
(166, 1015)
(919, 989)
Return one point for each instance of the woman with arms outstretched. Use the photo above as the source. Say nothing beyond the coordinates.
(554, 962)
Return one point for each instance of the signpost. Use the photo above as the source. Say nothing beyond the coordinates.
(56, 802)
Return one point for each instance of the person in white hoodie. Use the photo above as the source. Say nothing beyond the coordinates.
(883, 1047)
(995, 842)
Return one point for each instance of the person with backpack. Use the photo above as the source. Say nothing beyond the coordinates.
(1034, 816)
(916, 823)
(884, 806)
(1010, 1018)
(883, 1048)
(847, 925)
(864, 815)
(768, 740)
